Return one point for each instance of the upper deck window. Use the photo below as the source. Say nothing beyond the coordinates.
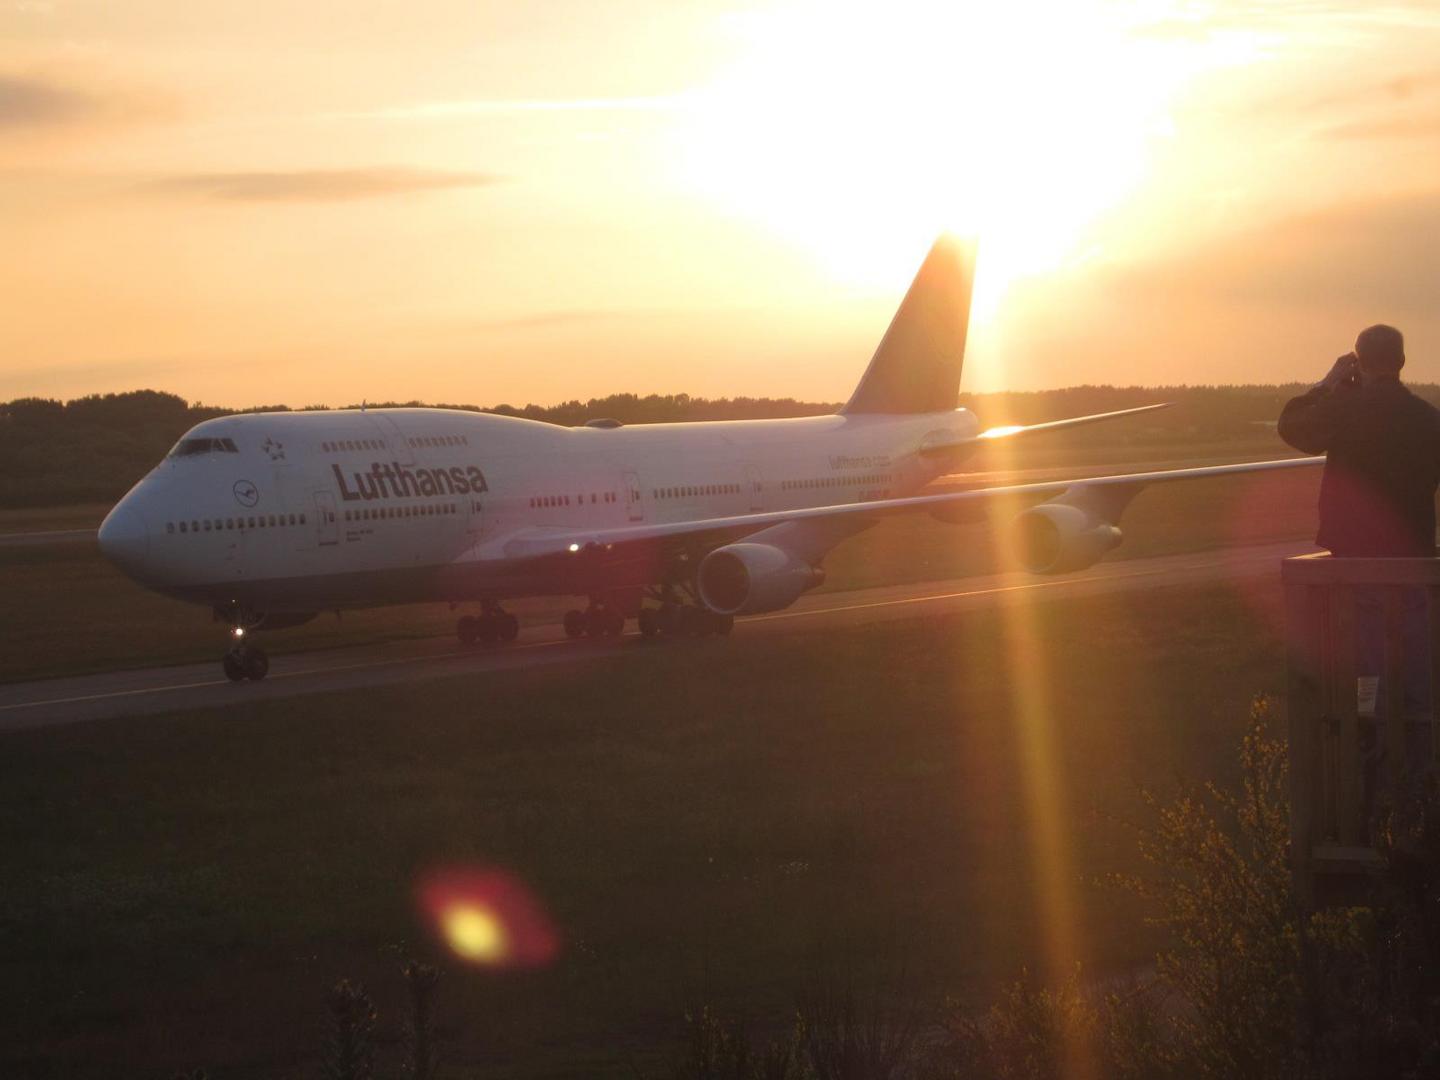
(187, 447)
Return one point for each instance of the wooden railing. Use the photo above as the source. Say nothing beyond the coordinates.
(1331, 605)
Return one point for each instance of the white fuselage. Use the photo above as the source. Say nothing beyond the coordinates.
(319, 510)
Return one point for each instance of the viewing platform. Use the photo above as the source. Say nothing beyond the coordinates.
(1363, 654)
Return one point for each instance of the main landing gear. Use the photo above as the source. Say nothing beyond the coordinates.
(672, 618)
(244, 660)
(493, 625)
(598, 620)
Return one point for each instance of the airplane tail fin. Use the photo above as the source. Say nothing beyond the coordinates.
(916, 368)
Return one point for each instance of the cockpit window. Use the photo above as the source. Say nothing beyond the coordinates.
(187, 447)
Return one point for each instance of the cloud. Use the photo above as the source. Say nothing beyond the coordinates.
(442, 110)
(548, 320)
(1274, 303)
(1408, 127)
(315, 185)
(1363, 255)
(26, 102)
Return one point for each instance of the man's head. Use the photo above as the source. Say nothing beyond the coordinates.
(1381, 352)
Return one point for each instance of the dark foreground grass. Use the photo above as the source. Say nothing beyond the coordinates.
(718, 820)
(75, 613)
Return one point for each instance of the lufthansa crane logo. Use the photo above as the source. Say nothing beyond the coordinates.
(246, 493)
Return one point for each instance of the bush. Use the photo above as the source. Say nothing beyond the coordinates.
(1253, 986)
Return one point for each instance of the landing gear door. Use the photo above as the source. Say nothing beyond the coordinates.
(755, 488)
(634, 507)
(327, 523)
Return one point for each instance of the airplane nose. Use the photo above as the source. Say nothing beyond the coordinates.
(124, 540)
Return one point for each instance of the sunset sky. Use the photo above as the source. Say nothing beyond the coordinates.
(247, 201)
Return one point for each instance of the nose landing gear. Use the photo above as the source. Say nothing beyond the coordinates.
(244, 660)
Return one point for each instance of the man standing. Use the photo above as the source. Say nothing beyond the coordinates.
(1377, 499)
(1382, 447)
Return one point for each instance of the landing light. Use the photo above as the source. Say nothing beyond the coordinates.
(238, 632)
(574, 547)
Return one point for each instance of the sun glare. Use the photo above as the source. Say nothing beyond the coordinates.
(860, 133)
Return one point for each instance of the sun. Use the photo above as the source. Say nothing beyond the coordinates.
(859, 132)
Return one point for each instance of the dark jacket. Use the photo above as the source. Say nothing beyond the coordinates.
(1377, 496)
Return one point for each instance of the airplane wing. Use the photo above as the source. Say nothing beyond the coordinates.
(635, 541)
(945, 447)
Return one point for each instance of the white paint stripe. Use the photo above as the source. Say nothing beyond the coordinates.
(1007, 588)
(371, 664)
(111, 694)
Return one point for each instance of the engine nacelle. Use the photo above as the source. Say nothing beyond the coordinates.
(1054, 538)
(743, 579)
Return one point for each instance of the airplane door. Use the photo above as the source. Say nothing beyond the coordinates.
(326, 522)
(755, 486)
(634, 508)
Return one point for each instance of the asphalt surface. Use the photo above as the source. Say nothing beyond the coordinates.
(48, 538)
(118, 694)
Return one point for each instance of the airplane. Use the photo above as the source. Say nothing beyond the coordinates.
(271, 518)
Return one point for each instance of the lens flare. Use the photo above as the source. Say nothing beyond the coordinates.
(488, 917)
(474, 933)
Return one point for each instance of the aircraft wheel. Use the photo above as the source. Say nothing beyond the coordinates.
(489, 627)
(647, 623)
(692, 621)
(721, 624)
(597, 622)
(234, 667)
(667, 618)
(467, 629)
(257, 664)
(575, 623)
(509, 627)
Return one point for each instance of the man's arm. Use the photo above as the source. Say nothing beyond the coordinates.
(1309, 422)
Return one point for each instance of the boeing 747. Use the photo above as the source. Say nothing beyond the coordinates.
(269, 518)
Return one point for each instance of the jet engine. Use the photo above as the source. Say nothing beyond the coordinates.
(1056, 537)
(743, 579)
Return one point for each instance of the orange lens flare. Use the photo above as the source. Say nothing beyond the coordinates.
(488, 917)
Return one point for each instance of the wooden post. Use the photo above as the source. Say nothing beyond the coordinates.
(1328, 827)
(1394, 682)
(1432, 608)
(1347, 726)
(1303, 648)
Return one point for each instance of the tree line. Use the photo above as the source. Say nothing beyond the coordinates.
(93, 448)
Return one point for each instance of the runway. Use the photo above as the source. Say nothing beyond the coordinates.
(113, 695)
(47, 538)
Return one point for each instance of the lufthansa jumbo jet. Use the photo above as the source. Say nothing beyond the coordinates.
(269, 518)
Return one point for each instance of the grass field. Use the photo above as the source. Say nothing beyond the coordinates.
(718, 820)
(70, 611)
